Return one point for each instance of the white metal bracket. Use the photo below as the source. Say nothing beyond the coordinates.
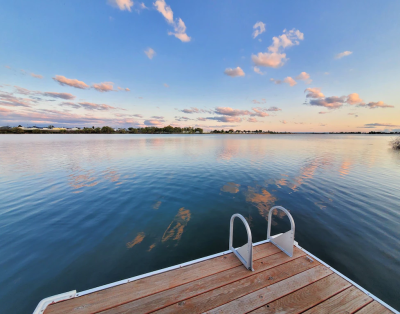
(245, 252)
(284, 241)
(41, 307)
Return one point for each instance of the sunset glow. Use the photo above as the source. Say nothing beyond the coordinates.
(213, 65)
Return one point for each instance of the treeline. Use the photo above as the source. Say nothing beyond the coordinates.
(103, 130)
(167, 129)
(248, 131)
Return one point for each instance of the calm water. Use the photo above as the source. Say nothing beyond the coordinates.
(80, 211)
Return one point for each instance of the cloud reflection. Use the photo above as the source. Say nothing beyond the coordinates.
(175, 229)
(139, 238)
(230, 187)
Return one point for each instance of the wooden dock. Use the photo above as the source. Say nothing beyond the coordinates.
(278, 284)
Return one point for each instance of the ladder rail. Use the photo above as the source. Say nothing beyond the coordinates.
(284, 241)
(246, 249)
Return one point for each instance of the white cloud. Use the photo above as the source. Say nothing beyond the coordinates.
(259, 28)
(304, 76)
(150, 53)
(180, 31)
(121, 4)
(257, 70)
(234, 72)
(343, 54)
(178, 24)
(275, 57)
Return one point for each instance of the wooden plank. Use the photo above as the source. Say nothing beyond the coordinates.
(270, 293)
(306, 297)
(348, 301)
(373, 308)
(210, 287)
(111, 297)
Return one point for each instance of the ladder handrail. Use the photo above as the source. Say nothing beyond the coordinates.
(287, 245)
(292, 227)
(249, 262)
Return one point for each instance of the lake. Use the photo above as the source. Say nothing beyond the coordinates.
(79, 211)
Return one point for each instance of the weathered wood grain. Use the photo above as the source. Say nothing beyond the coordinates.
(209, 294)
(270, 293)
(111, 297)
(306, 297)
(348, 301)
(373, 308)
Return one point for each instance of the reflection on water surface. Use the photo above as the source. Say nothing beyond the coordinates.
(79, 211)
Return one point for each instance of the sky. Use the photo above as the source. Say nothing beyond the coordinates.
(300, 66)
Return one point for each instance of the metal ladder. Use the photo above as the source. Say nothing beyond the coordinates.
(284, 241)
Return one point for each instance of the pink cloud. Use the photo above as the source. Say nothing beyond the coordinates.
(104, 87)
(374, 105)
(36, 75)
(289, 81)
(332, 102)
(121, 4)
(226, 119)
(343, 54)
(227, 111)
(275, 57)
(7, 99)
(93, 106)
(304, 76)
(354, 99)
(62, 80)
(314, 92)
(260, 112)
(195, 110)
(252, 120)
(67, 96)
(153, 122)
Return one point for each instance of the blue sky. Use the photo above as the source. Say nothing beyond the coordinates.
(202, 70)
